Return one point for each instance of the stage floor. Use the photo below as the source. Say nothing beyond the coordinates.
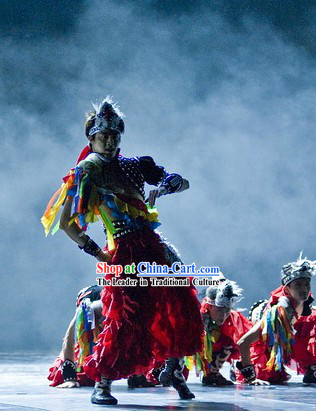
(23, 386)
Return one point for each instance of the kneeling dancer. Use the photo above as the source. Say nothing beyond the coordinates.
(223, 328)
(82, 332)
(285, 335)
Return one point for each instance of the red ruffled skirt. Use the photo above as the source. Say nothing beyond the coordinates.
(143, 325)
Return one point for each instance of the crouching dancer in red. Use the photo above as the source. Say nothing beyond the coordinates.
(286, 333)
(143, 326)
(223, 328)
(79, 340)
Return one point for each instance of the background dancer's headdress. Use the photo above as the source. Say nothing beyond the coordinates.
(302, 268)
(106, 116)
(226, 294)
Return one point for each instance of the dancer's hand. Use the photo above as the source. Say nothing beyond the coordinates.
(69, 384)
(258, 382)
(154, 194)
(104, 257)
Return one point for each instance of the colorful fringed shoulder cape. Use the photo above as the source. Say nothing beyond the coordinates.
(84, 182)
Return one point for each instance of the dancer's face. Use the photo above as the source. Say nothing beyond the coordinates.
(219, 314)
(300, 289)
(106, 142)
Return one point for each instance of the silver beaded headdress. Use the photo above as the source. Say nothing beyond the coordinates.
(226, 294)
(107, 117)
(302, 268)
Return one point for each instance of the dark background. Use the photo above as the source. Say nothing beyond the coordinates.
(222, 92)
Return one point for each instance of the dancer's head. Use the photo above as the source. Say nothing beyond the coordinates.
(106, 143)
(103, 128)
(221, 299)
(296, 277)
(299, 289)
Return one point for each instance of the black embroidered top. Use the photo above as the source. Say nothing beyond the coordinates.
(138, 170)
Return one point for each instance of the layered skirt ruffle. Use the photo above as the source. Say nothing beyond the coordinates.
(144, 325)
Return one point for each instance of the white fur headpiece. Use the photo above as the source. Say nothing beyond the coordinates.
(107, 117)
(226, 294)
(301, 268)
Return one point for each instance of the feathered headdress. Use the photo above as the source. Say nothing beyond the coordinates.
(107, 116)
(226, 294)
(301, 268)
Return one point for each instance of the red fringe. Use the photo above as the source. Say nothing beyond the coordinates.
(144, 325)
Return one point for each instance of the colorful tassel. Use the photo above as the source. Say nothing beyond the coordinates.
(202, 359)
(53, 207)
(278, 333)
(84, 331)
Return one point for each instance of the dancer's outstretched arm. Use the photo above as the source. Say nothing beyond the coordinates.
(246, 367)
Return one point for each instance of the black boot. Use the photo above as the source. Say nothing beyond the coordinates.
(165, 377)
(102, 393)
(139, 381)
(179, 383)
(133, 381)
(172, 374)
(144, 383)
(310, 375)
(215, 378)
